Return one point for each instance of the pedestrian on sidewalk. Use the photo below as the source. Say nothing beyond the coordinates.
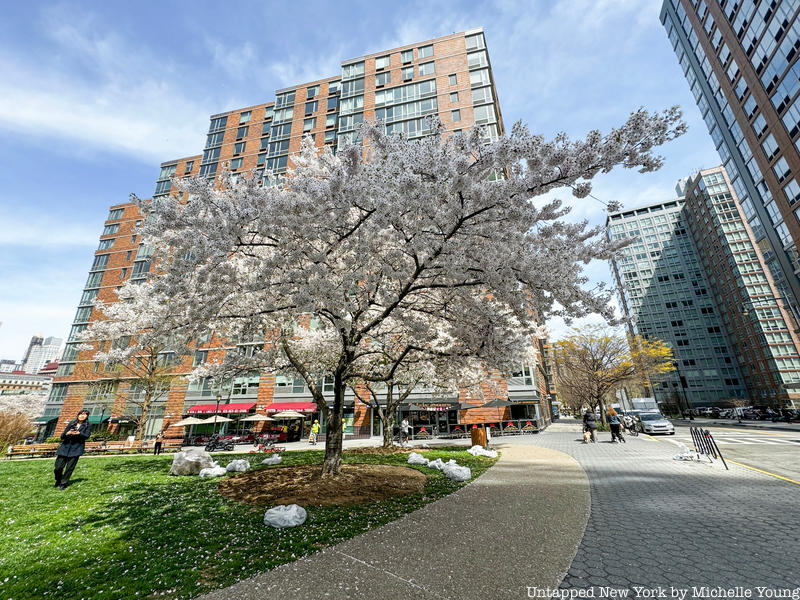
(73, 441)
(312, 439)
(614, 424)
(589, 427)
(404, 426)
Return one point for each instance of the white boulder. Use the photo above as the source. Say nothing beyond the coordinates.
(481, 451)
(417, 459)
(272, 460)
(284, 515)
(238, 466)
(455, 472)
(191, 462)
(215, 471)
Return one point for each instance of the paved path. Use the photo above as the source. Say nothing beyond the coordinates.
(518, 525)
(656, 521)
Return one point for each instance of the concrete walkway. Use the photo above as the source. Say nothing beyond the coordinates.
(517, 526)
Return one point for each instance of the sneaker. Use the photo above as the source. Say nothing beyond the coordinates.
(62, 486)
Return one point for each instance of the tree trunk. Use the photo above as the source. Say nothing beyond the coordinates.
(142, 422)
(332, 465)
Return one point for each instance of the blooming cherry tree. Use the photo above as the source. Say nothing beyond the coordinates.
(442, 243)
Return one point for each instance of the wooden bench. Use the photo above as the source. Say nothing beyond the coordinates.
(31, 450)
(94, 447)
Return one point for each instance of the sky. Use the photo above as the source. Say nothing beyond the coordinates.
(95, 95)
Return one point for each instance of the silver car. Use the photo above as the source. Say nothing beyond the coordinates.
(654, 423)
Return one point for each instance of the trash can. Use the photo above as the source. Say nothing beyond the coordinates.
(478, 435)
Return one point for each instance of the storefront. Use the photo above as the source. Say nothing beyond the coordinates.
(437, 418)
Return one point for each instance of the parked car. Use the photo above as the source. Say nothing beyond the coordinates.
(751, 414)
(654, 423)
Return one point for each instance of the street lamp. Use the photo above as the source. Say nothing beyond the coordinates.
(683, 391)
(216, 410)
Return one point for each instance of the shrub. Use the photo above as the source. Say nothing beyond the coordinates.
(54, 439)
(104, 436)
(13, 428)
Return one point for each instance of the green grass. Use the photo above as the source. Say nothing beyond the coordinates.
(126, 529)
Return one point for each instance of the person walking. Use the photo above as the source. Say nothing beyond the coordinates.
(73, 440)
(312, 439)
(158, 443)
(589, 427)
(615, 425)
(404, 427)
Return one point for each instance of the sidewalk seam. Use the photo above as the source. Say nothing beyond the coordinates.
(406, 581)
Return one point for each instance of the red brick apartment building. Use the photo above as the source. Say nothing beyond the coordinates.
(449, 77)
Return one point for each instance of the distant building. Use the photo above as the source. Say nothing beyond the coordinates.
(40, 352)
(697, 278)
(6, 366)
(666, 295)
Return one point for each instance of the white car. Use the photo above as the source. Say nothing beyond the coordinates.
(654, 423)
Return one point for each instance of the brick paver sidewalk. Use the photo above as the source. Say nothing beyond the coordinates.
(656, 521)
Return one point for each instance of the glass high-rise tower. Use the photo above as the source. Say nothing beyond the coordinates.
(740, 59)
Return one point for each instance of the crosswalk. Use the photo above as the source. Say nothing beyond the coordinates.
(734, 437)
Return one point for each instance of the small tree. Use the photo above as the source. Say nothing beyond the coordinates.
(17, 412)
(595, 361)
(141, 350)
(444, 239)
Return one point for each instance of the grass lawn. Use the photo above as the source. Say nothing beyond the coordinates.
(124, 528)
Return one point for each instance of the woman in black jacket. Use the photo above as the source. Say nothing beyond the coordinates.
(73, 440)
(589, 426)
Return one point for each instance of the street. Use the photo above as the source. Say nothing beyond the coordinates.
(774, 451)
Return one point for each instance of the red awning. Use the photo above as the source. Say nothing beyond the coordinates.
(210, 409)
(306, 407)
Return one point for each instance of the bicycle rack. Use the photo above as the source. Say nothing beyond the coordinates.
(705, 444)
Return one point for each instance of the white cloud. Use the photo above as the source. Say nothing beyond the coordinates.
(102, 91)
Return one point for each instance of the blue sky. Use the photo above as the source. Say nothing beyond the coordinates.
(93, 96)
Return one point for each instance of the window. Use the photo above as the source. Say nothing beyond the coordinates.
(284, 114)
(425, 51)
(122, 273)
(759, 125)
(261, 159)
(770, 147)
(353, 70)
(276, 148)
(238, 148)
(217, 124)
(214, 139)
(477, 60)
(115, 214)
(381, 62)
(312, 107)
(106, 244)
(351, 88)
(211, 154)
(309, 124)
(479, 78)
(284, 99)
(312, 92)
(245, 117)
(200, 358)
(333, 87)
(268, 112)
(485, 114)
(189, 167)
(792, 191)
(453, 97)
(330, 121)
(208, 170)
(475, 42)
(456, 115)
(781, 169)
(167, 172)
(333, 102)
(236, 163)
(426, 69)
(408, 73)
(406, 56)
(482, 95)
(330, 136)
(453, 80)
(241, 133)
(264, 144)
(109, 229)
(382, 79)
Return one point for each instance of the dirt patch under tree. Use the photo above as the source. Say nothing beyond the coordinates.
(304, 485)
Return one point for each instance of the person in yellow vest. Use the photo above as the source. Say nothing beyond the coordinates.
(312, 439)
